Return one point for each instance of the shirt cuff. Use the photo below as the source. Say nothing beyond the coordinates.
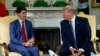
(81, 49)
(70, 47)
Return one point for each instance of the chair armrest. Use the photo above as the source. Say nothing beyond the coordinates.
(95, 43)
(1, 42)
(95, 39)
(2, 51)
(41, 53)
(4, 47)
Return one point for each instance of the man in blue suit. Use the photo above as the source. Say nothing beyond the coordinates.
(76, 34)
(22, 39)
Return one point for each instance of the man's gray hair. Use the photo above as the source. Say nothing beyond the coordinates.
(69, 7)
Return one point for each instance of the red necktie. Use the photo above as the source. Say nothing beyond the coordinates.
(24, 39)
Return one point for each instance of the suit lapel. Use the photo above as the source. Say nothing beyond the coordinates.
(27, 27)
(18, 25)
(76, 25)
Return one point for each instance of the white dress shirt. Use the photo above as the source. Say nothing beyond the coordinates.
(20, 21)
(73, 25)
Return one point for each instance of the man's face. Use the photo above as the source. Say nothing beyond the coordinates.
(22, 14)
(67, 14)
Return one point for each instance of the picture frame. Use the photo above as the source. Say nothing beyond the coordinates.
(96, 3)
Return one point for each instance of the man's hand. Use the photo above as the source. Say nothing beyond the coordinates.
(32, 41)
(27, 44)
(79, 53)
(73, 51)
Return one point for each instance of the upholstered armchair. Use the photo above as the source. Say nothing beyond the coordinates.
(92, 22)
(4, 36)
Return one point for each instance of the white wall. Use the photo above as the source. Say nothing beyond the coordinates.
(9, 2)
(46, 22)
(95, 11)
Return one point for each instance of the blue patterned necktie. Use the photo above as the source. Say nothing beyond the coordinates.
(72, 31)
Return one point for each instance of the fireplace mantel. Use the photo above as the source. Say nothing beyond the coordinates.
(37, 8)
(42, 16)
(39, 12)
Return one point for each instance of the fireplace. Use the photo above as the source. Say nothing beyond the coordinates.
(47, 38)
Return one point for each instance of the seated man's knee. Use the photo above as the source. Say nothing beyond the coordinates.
(35, 49)
(24, 52)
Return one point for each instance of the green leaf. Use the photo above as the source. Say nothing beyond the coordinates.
(40, 3)
(60, 4)
(19, 3)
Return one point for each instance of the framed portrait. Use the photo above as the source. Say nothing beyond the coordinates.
(95, 3)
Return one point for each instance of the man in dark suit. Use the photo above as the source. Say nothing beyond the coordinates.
(22, 39)
(76, 34)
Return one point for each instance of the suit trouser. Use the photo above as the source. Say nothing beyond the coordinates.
(26, 51)
(64, 53)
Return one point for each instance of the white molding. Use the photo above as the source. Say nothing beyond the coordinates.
(98, 27)
(37, 8)
(46, 22)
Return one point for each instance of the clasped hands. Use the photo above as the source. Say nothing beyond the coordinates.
(29, 43)
(76, 52)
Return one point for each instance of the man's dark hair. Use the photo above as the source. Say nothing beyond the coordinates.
(19, 9)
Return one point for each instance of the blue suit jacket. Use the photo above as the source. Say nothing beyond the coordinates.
(83, 35)
(16, 34)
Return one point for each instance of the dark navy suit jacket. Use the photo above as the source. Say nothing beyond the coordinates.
(15, 32)
(83, 35)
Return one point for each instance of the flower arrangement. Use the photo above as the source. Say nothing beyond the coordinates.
(19, 3)
(60, 4)
(40, 3)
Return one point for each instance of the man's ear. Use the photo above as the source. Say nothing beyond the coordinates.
(75, 11)
(18, 14)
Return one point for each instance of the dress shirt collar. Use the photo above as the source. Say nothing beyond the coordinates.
(73, 19)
